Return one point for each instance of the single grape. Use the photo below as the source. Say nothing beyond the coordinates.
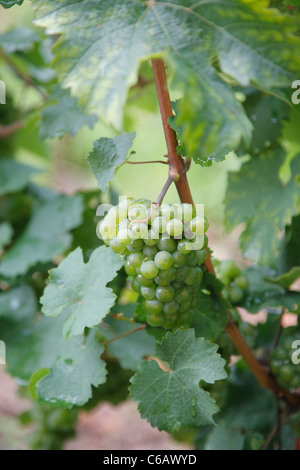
(153, 306)
(154, 319)
(159, 224)
(115, 245)
(107, 229)
(135, 259)
(135, 245)
(201, 256)
(174, 228)
(165, 293)
(183, 295)
(149, 269)
(124, 236)
(148, 292)
(144, 281)
(235, 294)
(185, 246)
(230, 269)
(152, 238)
(242, 282)
(129, 269)
(161, 282)
(137, 212)
(163, 260)
(194, 275)
(182, 273)
(199, 225)
(192, 258)
(149, 252)
(139, 230)
(177, 284)
(168, 274)
(167, 244)
(179, 259)
(136, 286)
(171, 307)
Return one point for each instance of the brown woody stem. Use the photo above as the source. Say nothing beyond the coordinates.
(178, 173)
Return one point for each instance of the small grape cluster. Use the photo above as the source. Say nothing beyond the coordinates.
(235, 282)
(286, 371)
(164, 247)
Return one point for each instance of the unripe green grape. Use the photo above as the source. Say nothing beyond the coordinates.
(116, 246)
(139, 230)
(160, 281)
(136, 286)
(194, 276)
(163, 260)
(183, 295)
(124, 236)
(135, 245)
(137, 212)
(199, 225)
(168, 274)
(229, 268)
(152, 238)
(149, 252)
(148, 292)
(113, 215)
(107, 229)
(185, 246)
(135, 259)
(167, 244)
(144, 282)
(181, 273)
(177, 284)
(154, 319)
(192, 258)
(235, 294)
(149, 269)
(179, 259)
(169, 321)
(165, 293)
(242, 282)
(129, 269)
(171, 307)
(153, 306)
(201, 256)
(186, 306)
(159, 224)
(174, 228)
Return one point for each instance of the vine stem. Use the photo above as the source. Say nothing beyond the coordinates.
(134, 330)
(177, 171)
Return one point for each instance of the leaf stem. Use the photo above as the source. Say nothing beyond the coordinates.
(150, 161)
(138, 328)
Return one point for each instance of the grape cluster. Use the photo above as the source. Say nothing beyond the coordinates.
(164, 247)
(286, 371)
(235, 282)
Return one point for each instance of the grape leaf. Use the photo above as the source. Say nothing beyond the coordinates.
(10, 3)
(46, 236)
(6, 233)
(62, 115)
(210, 316)
(290, 141)
(265, 294)
(130, 349)
(107, 155)
(36, 346)
(18, 303)
(18, 39)
(73, 373)
(255, 196)
(79, 289)
(286, 279)
(172, 398)
(248, 41)
(14, 175)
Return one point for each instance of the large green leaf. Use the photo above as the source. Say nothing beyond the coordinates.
(102, 44)
(256, 197)
(63, 115)
(14, 175)
(172, 398)
(35, 346)
(79, 289)
(46, 236)
(107, 155)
